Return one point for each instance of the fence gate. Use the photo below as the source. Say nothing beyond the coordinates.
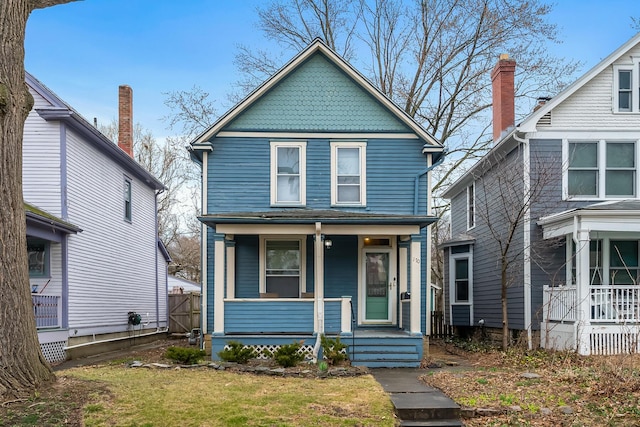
(438, 327)
(184, 312)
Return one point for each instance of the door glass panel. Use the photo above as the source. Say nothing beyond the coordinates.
(377, 282)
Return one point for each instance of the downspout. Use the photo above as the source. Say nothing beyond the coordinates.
(416, 180)
(318, 270)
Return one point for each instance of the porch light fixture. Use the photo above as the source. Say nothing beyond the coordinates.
(328, 244)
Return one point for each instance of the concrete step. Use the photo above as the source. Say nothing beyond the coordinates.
(424, 406)
(432, 423)
(386, 363)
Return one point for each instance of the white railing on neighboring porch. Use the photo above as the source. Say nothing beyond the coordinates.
(48, 310)
(611, 303)
(559, 303)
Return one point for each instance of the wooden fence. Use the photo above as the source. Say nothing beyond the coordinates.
(184, 312)
(438, 327)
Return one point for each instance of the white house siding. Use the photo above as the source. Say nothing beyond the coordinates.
(591, 106)
(41, 160)
(112, 267)
(162, 290)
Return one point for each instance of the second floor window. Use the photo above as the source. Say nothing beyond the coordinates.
(348, 173)
(127, 200)
(288, 173)
(601, 169)
(471, 206)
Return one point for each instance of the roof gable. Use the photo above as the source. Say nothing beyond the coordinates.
(529, 123)
(317, 56)
(317, 96)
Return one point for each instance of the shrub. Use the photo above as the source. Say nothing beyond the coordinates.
(332, 349)
(288, 355)
(237, 353)
(186, 356)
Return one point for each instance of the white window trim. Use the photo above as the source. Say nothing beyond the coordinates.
(452, 276)
(605, 268)
(471, 221)
(262, 262)
(602, 169)
(634, 67)
(302, 146)
(334, 170)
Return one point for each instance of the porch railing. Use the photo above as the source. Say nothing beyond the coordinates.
(284, 315)
(48, 311)
(610, 303)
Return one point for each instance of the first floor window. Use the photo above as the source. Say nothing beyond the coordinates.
(38, 255)
(460, 274)
(283, 262)
(611, 262)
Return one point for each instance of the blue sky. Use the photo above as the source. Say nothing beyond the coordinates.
(84, 50)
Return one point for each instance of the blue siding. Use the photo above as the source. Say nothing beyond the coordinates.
(392, 166)
(247, 267)
(461, 315)
(332, 317)
(341, 269)
(210, 274)
(317, 96)
(269, 316)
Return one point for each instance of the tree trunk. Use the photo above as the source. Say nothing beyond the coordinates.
(23, 367)
(505, 312)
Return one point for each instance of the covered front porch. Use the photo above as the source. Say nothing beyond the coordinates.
(273, 284)
(595, 309)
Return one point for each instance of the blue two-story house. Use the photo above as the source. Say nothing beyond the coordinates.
(316, 213)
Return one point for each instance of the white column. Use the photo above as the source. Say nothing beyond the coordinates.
(231, 267)
(204, 283)
(415, 285)
(318, 287)
(346, 315)
(403, 258)
(218, 285)
(583, 293)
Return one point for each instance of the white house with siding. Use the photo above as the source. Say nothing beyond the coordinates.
(95, 260)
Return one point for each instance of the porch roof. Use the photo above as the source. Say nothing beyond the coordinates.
(618, 215)
(311, 216)
(39, 218)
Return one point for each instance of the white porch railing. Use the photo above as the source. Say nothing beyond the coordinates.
(559, 303)
(611, 303)
(48, 311)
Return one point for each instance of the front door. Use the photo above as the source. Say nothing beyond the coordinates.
(378, 288)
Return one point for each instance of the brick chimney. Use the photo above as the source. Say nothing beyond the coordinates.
(502, 79)
(125, 119)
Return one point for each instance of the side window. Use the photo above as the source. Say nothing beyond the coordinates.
(461, 274)
(38, 254)
(127, 199)
(348, 173)
(288, 174)
(471, 206)
(626, 87)
(282, 264)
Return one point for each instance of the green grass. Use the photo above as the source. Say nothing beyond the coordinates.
(147, 397)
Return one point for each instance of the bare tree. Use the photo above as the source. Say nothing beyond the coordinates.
(168, 161)
(23, 365)
(505, 195)
(431, 57)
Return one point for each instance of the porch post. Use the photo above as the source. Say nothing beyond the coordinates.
(583, 297)
(416, 296)
(218, 283)
(231, 266)
(318, 270)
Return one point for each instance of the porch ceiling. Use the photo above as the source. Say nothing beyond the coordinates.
(615, 216)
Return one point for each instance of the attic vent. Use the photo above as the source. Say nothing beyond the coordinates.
(545, 120)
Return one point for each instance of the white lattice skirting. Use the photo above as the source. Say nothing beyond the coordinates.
(54, 351)
(264, 350)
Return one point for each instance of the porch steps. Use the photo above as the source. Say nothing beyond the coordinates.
(385, 353)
